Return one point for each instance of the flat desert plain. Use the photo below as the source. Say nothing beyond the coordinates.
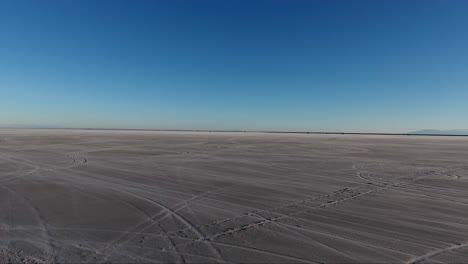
(88, 196)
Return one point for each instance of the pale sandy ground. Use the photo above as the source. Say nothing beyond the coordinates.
(148, 197)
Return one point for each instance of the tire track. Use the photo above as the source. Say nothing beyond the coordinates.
(428, 255)
(17, 177)
(256, 224)
(284, 216)
(256, 212)
(42, 223)
(267, 252)
(168, 211)
(242, 247)
(34, 169)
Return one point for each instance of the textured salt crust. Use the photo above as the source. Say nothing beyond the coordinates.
(192, 197)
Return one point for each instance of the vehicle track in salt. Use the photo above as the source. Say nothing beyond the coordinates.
(26, 163)
(275, 219)
(43, 227)
(418, 259)
(300, 200)
(190, 240)
(167, 211)
(436, 252)
(258, 211)
(180, 218)
(38, 166)
(267, 221)
(406, 187)
(190, 227)
(155, 219)
(284, 216)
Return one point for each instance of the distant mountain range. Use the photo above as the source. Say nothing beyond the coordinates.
(462, 132)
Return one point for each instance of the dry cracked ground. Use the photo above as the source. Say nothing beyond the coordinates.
(72, 196)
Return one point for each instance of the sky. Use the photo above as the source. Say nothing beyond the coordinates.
(290, 65)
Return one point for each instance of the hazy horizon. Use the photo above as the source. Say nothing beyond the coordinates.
(447, 132)
(348, 66)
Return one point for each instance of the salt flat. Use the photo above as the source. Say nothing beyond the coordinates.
(143, 197)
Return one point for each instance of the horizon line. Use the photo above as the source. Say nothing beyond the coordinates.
(241, 131)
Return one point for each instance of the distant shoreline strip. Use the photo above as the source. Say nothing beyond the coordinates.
(241, 131)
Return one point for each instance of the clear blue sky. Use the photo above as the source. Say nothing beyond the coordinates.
(376, 66)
